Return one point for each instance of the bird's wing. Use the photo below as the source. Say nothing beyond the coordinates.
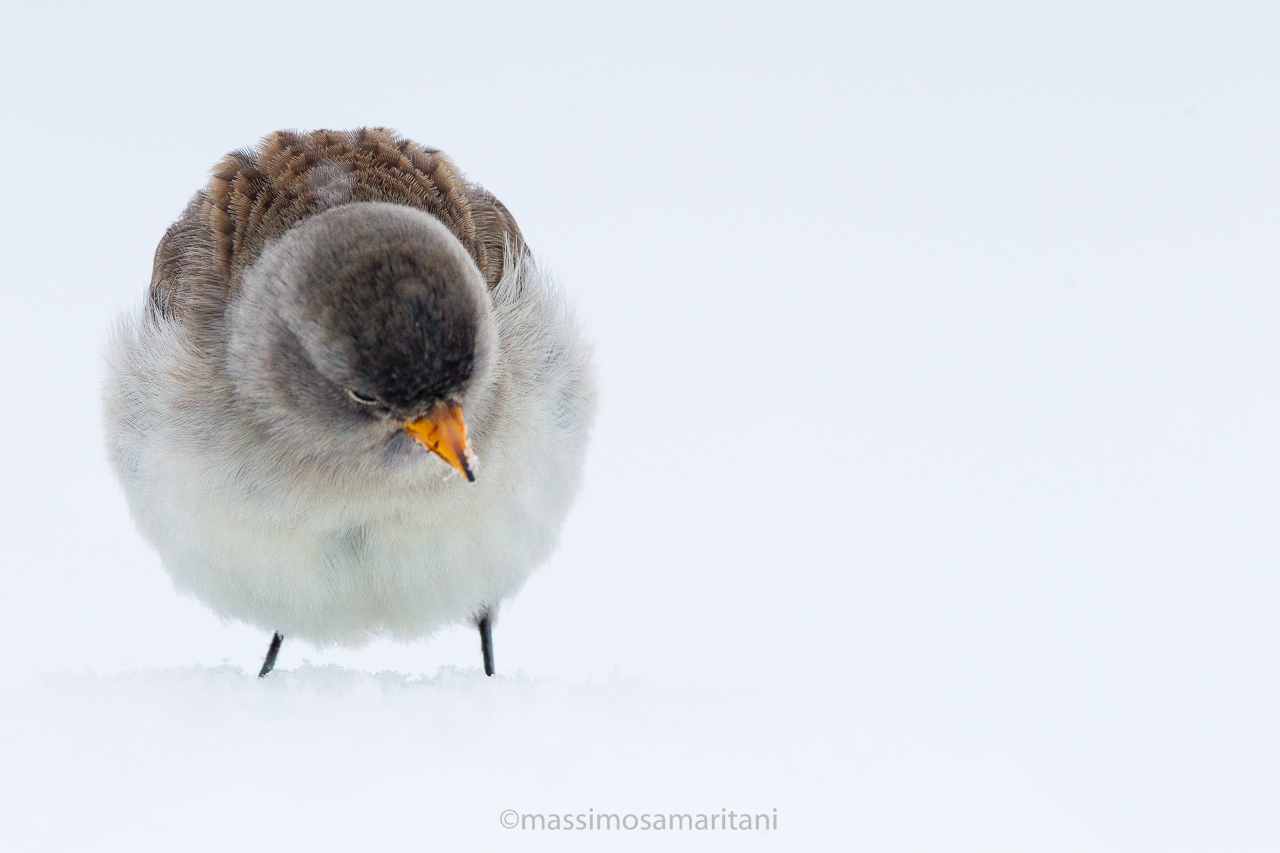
(498, 237)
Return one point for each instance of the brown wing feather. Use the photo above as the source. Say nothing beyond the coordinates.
(255, 195)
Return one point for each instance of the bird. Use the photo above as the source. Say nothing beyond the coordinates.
(352, 404)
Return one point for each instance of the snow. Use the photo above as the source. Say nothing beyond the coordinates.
(324, 757)
(1005, 275)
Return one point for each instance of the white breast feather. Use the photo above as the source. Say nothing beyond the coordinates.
(342, 557)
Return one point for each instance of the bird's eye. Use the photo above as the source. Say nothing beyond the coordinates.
(361, 399)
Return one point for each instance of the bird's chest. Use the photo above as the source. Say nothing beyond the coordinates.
(436, 525)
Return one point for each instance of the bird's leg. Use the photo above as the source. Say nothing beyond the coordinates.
(270, 662)
(486, 642)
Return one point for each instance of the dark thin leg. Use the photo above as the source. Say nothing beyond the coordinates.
(270, 662)
(486, 643)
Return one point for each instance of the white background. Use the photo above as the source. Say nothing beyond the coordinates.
(939, 347)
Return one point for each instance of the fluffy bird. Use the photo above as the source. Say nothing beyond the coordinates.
(352, 405)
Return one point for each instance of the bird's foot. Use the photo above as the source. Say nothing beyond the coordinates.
(486, 642)
(270, 662)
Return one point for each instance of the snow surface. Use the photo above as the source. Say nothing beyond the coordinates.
(1006, 272)
(331, 758)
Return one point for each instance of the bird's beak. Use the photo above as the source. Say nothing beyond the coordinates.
(444, 433)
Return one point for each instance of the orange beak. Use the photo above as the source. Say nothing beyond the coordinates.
(444, 433)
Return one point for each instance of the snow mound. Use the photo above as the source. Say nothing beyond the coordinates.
(330, 758)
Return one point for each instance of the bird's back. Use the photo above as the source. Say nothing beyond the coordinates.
(257, 194)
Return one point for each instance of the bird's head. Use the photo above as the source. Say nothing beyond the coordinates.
(366, 329)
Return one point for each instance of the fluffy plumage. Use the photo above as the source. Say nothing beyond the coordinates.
(315, 273)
